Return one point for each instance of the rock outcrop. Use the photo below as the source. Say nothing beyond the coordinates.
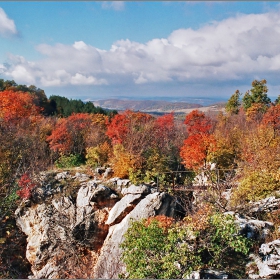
(74, 225)
(63, 234)
(266, 264)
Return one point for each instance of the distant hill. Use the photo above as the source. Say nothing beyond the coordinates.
(155, 106)
(145, 105)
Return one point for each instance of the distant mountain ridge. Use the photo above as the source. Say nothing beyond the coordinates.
(145, 105)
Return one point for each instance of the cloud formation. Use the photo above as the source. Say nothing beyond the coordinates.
(245, 46)
(7, 25)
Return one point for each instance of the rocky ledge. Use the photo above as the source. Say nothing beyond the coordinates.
(75, 224)
(79, 237)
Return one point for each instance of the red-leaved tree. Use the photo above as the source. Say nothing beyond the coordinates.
(272, 117)
(14, 106)
(200, 142)
(70, 134)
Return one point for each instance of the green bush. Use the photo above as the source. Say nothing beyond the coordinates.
(153, 251)
(69, 161)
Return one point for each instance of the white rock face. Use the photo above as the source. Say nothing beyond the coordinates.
(267, 261)
(123, 182)
(265, 205)
(81, 177)
(109, 264)
(122, 208)
(42, 237)
(62, 175)
(58, 228)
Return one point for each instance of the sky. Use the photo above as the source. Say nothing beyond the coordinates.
(142, 50)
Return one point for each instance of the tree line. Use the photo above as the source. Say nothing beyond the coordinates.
(38, 132)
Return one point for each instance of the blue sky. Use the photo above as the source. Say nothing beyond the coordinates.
(95, 50)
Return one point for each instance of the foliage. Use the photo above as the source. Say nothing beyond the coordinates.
(149, 145)
(228, 136)
(259, 169)
(14, 106)
(277, 100)
(26, 186)
(233, 104)
(255, 112)
(123, 126)
(156, 163)
(96, 134)
(69, 135)
(257, 94)
(123, 162)
(197, 123)
(159, 250)
(152, 251)
(200, 142)
(67, 161)
(99, 155)
(38, 95)
(272, 118)
(64, 107)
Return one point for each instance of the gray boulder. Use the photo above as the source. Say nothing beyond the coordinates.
(267, 261)
(254, 229)
(143, 190)
(81, 177)
(268, 204)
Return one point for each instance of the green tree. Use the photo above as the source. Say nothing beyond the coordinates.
(257, 94)
(65, 107)
(233, 104)
(161, 250)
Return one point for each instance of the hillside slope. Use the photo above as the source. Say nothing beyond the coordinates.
(145, 105)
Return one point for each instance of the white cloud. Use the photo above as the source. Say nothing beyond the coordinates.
(232, 49)
(80, 79)
(114, 5)
(21, 74)
(7, 25)
(80, 45)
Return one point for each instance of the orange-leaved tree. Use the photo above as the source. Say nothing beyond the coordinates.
(14, 106)
(69, 135)
(200, 142)
(130, 133)
(272, 118)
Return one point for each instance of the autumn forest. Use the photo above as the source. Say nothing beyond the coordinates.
(40, 133)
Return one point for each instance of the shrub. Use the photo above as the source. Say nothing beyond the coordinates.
(26, 185)
(161, 248)
(69, 161)
(99, 155)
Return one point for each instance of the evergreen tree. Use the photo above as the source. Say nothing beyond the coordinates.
(233, 104)
(257, 95)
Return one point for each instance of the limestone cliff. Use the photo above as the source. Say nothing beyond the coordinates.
(78, 236)
(75, 224)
